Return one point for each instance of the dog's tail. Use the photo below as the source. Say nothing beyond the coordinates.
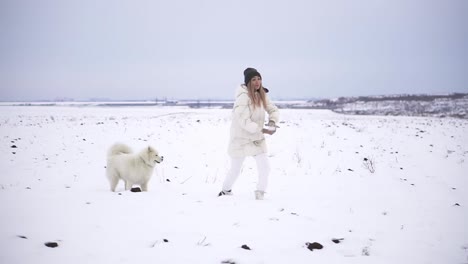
(119, 148)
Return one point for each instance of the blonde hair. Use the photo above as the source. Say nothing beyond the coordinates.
(258, 97)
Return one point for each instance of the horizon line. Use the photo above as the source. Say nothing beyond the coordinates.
(166, 99)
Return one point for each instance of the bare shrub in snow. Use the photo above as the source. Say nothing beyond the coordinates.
(369, 164)
(365, 251)
(361, 129)
(298, 157)
(203, 242)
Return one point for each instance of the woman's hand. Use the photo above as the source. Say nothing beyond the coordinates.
(269, 130)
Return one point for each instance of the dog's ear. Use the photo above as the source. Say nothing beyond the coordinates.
(151, 150)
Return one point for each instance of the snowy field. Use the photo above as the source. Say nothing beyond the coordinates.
(388, 189)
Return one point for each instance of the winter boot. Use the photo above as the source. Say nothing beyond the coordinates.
(225, 193)
(259, 195)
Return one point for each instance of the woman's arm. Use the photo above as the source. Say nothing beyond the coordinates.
(272, 110)
(242, 112)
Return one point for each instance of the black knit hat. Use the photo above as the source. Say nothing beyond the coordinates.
(249, 73)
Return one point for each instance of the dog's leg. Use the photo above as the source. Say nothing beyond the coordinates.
(144, 186)
(128, 185)
(113, 180)
(113, 183)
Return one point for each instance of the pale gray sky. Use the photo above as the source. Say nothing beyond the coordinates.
(176, 49)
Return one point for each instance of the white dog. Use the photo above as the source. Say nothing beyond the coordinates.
(131, 168)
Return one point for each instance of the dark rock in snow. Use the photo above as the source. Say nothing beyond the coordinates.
(23, 237)
(228, 261)
(457, 204)
(51, 244)
(350, 169)
(14, 146)
(245, 247)
(168, 180)
(135, 189)
(165, 240)
(337, 240)
(314, 245)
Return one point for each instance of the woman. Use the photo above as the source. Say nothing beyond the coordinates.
(247, 131)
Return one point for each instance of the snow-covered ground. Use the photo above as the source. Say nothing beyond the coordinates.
(411, 209)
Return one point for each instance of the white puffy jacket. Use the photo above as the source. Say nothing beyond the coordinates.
(246, 137)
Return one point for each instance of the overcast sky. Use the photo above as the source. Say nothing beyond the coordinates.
(198, 49)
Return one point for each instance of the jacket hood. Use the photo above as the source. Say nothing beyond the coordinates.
(241, 90)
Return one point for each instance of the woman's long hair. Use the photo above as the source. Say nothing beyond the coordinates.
(258, 97)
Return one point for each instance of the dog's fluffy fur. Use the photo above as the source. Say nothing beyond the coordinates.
(132, 168)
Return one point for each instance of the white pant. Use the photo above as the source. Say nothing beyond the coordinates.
(263, 169)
